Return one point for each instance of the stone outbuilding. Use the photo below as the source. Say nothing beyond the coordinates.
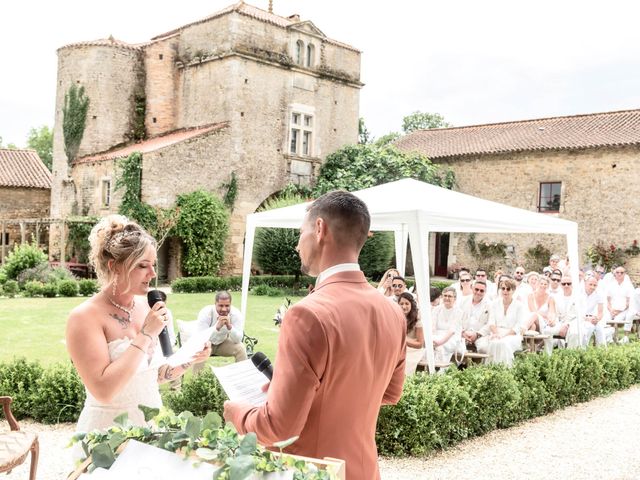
(25, 191)
(243, 92)
(583, 168)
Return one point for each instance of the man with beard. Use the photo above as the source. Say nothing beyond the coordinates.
(337, 343)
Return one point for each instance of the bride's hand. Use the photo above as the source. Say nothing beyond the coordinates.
(156, 320)
(203, 354)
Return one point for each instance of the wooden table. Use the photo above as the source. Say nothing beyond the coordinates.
(473, 357)
(530, 341)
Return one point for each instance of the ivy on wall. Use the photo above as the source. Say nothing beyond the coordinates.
(78, 237)
(232, 191)
(74, 116)
(482, 251)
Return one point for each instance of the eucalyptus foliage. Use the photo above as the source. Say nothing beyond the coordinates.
(74, 116)
(206, 439)
(203, 226)
(355, 167)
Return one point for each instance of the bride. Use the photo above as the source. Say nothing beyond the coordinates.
(112, 337)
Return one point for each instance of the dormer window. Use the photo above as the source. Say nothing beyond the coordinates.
(310, 54)
(300, 52)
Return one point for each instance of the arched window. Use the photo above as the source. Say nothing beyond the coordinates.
(310, 52)
(299, 52)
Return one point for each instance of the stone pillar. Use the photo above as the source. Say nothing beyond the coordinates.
(175, 258)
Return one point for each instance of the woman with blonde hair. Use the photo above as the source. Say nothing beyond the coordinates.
(112, 337)
(384, 286)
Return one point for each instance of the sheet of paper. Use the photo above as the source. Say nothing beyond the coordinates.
(190, 347)
(145, 462)
(242, 382)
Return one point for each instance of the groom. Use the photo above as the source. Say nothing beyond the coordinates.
(341, 350)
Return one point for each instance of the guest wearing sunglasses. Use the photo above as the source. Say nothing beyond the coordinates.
(475, 314)
(566, 314)
(501, 337)
(464, 290)
(399, 286)
(619, 295)
(554, 285)
(384, 286)
(481, 274)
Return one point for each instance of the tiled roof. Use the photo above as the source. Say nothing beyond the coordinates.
(253, 12)
(556, 133)
(153, 144)
(105, 42)
(23, 168)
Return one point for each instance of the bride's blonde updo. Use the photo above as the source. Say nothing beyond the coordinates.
(119, 239)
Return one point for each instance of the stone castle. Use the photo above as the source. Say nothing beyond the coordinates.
(242, 92)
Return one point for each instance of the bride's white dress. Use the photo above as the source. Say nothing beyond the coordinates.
(142, 389)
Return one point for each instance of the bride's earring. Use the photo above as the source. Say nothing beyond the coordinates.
(115, 284)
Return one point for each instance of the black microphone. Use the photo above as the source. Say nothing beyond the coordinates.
(263, 364)
(153, 297)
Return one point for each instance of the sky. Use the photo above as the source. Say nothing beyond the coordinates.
(474, 62)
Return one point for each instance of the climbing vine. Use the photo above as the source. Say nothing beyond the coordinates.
(232, 191)
(482, 250)
(78, 237)
(74, 116)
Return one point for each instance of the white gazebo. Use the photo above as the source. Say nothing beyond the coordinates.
(423, 209)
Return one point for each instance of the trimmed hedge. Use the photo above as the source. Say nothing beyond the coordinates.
(214, 284)
(437, 411)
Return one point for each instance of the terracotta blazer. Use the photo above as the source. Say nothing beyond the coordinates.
(341, 355)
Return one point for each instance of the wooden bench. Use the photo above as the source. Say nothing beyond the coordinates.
(423, 367)
(473, 357)
(530, 341)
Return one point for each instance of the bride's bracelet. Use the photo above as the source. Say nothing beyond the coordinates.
(146, 334)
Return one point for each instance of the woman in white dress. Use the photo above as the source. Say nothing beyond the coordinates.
(501, 337)
(542, 307)
(415, 333)
(112, 337)
(446, 319)
(384, 286)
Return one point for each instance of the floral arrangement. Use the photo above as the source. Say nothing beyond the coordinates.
(206, 439)
(611, 255)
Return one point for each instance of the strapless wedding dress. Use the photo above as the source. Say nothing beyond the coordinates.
(142, 389)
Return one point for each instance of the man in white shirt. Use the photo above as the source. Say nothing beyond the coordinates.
(554, 283)
(522, 289)
(475, 314)
(492, 290)
(593, 322)
(619, 293)
(226, 340)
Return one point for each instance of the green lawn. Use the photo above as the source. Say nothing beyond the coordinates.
(34, 327)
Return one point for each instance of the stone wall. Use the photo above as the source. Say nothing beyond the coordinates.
(598, 192)
(25, 203)
(161, 83)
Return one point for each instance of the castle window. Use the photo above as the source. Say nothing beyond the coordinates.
(106, 192)
(549, 197)
(301, 139)
(300, 52)
(310, 52)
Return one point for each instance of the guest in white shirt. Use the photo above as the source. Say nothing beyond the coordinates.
(554, 285)
(619, 293)
(475, 310)
(446, 319)
(522, 288)
(501, 337)
(492, 291)
(592, 304)
(464, 290)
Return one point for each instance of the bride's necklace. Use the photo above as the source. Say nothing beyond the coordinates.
(124, 322)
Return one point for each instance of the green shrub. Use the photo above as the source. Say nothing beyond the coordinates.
(266, 290)
(441, 284)
(45, 274)
(18, 379)
(214, 284)
(3, 276)
(59, 395)
(88, 287)
(10, 288)
(376, 254)
(33, 288)
(22, 257)
(49, 290)
(68, 288)
(200, 393)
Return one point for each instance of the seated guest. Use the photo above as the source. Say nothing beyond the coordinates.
(457, 285)
(593, 321)
(554, 286)
(415, 333)
(522, 288)
(501, 337)
(399, 285)
(619, 295)
(532, 280)
(226, 340)
(541, 306)
(566, 313)
(475, 314)
(447, 327)
(384, 286)
(492, 292)
(465, 287)
(435, 296)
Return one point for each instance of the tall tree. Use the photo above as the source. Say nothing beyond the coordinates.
(422, 121)
(41, 140)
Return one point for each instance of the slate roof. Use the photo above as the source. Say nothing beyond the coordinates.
(593, 130)
(23, 168)
(252, 12)
(153, 144)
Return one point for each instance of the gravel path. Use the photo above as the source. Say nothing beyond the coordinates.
(595, 440)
